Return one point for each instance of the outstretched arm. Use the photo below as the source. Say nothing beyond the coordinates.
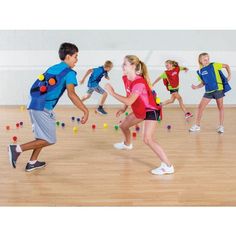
(156, 81)
(77, 102)
(197, 86)
(126, 100)
(89, 71)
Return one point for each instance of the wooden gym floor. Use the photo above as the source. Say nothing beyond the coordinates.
(83, 169)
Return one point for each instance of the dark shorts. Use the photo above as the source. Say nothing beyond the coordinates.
(152, 115)
(174, 91)
(214, 95)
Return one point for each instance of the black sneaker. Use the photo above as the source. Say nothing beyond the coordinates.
(13, 155)
(101, 111)
(37, 165)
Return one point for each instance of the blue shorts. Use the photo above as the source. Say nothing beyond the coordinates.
(43, 125)
(97, 89)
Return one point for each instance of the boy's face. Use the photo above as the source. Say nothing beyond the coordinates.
(71, 60)
(108, 68)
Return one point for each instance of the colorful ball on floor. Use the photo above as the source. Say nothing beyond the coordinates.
(168, 127)
(134, 134)
(93, 126)
(17, 125)
(116, 127)
(105, 125)
(78, 119)
(137, 128)
(75, 129)
(73, 118)
(127, 113)
(21, 123)
(63, 125)
(14, 138)
(57, 123)
(8, 127)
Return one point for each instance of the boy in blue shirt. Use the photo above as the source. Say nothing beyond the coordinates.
(93, 84)
(45, 93)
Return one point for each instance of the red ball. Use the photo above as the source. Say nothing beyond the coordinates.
(52, 81)
(14, 138)
(17, 125)
(7, 127)
(43, 89)
(134, 134)
(93, 126)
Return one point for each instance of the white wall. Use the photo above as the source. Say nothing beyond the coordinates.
(19, 69)
(25, 54)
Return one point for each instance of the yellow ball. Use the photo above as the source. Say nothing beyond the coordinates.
(41, 77)
(75, 129)
(105, 125)
(158, 100)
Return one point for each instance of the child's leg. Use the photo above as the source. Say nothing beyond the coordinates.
(86, 96)
(149, 129)
(220, 105)
(171, 100)
(201, 107)
(180, 100)
(103, 99)
(128, 122)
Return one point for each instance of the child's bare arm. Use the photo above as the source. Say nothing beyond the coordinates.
(226, 66)
(77, 102)
(89, 71)
(156, 81)
(197, 86)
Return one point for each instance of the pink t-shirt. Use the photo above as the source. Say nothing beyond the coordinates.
(140, 89)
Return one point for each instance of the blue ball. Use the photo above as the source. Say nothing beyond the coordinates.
(72, 118)
(78, 119)
(62, 124)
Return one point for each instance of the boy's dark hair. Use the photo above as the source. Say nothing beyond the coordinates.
(67, 49)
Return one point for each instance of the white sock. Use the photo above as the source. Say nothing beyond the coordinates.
(32, 162)
(18, 148)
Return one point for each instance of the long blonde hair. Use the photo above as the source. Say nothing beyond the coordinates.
(140, 67)
(200, 56)
(173, 63)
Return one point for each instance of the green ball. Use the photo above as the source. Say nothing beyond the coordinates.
(57, 123)
(116, 127)
(126, 113)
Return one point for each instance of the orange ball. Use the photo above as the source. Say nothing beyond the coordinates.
(52, 81)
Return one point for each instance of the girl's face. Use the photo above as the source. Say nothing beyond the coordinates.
(127, 67)
(205, 60)
(169, 66)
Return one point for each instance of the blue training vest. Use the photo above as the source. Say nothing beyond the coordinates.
(38, 97)
(208, 76)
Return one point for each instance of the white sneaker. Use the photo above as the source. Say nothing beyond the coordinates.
(163, 169)
(122, 146)
(194, 128)
(220, 130)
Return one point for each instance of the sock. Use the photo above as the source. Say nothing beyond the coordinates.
(18, 148)
(32, 162)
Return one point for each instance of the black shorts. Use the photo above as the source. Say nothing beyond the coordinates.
(214, 95)
(152, 115)
(174, 91)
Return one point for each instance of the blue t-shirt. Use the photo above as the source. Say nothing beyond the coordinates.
(96, 76)
(56, 93)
